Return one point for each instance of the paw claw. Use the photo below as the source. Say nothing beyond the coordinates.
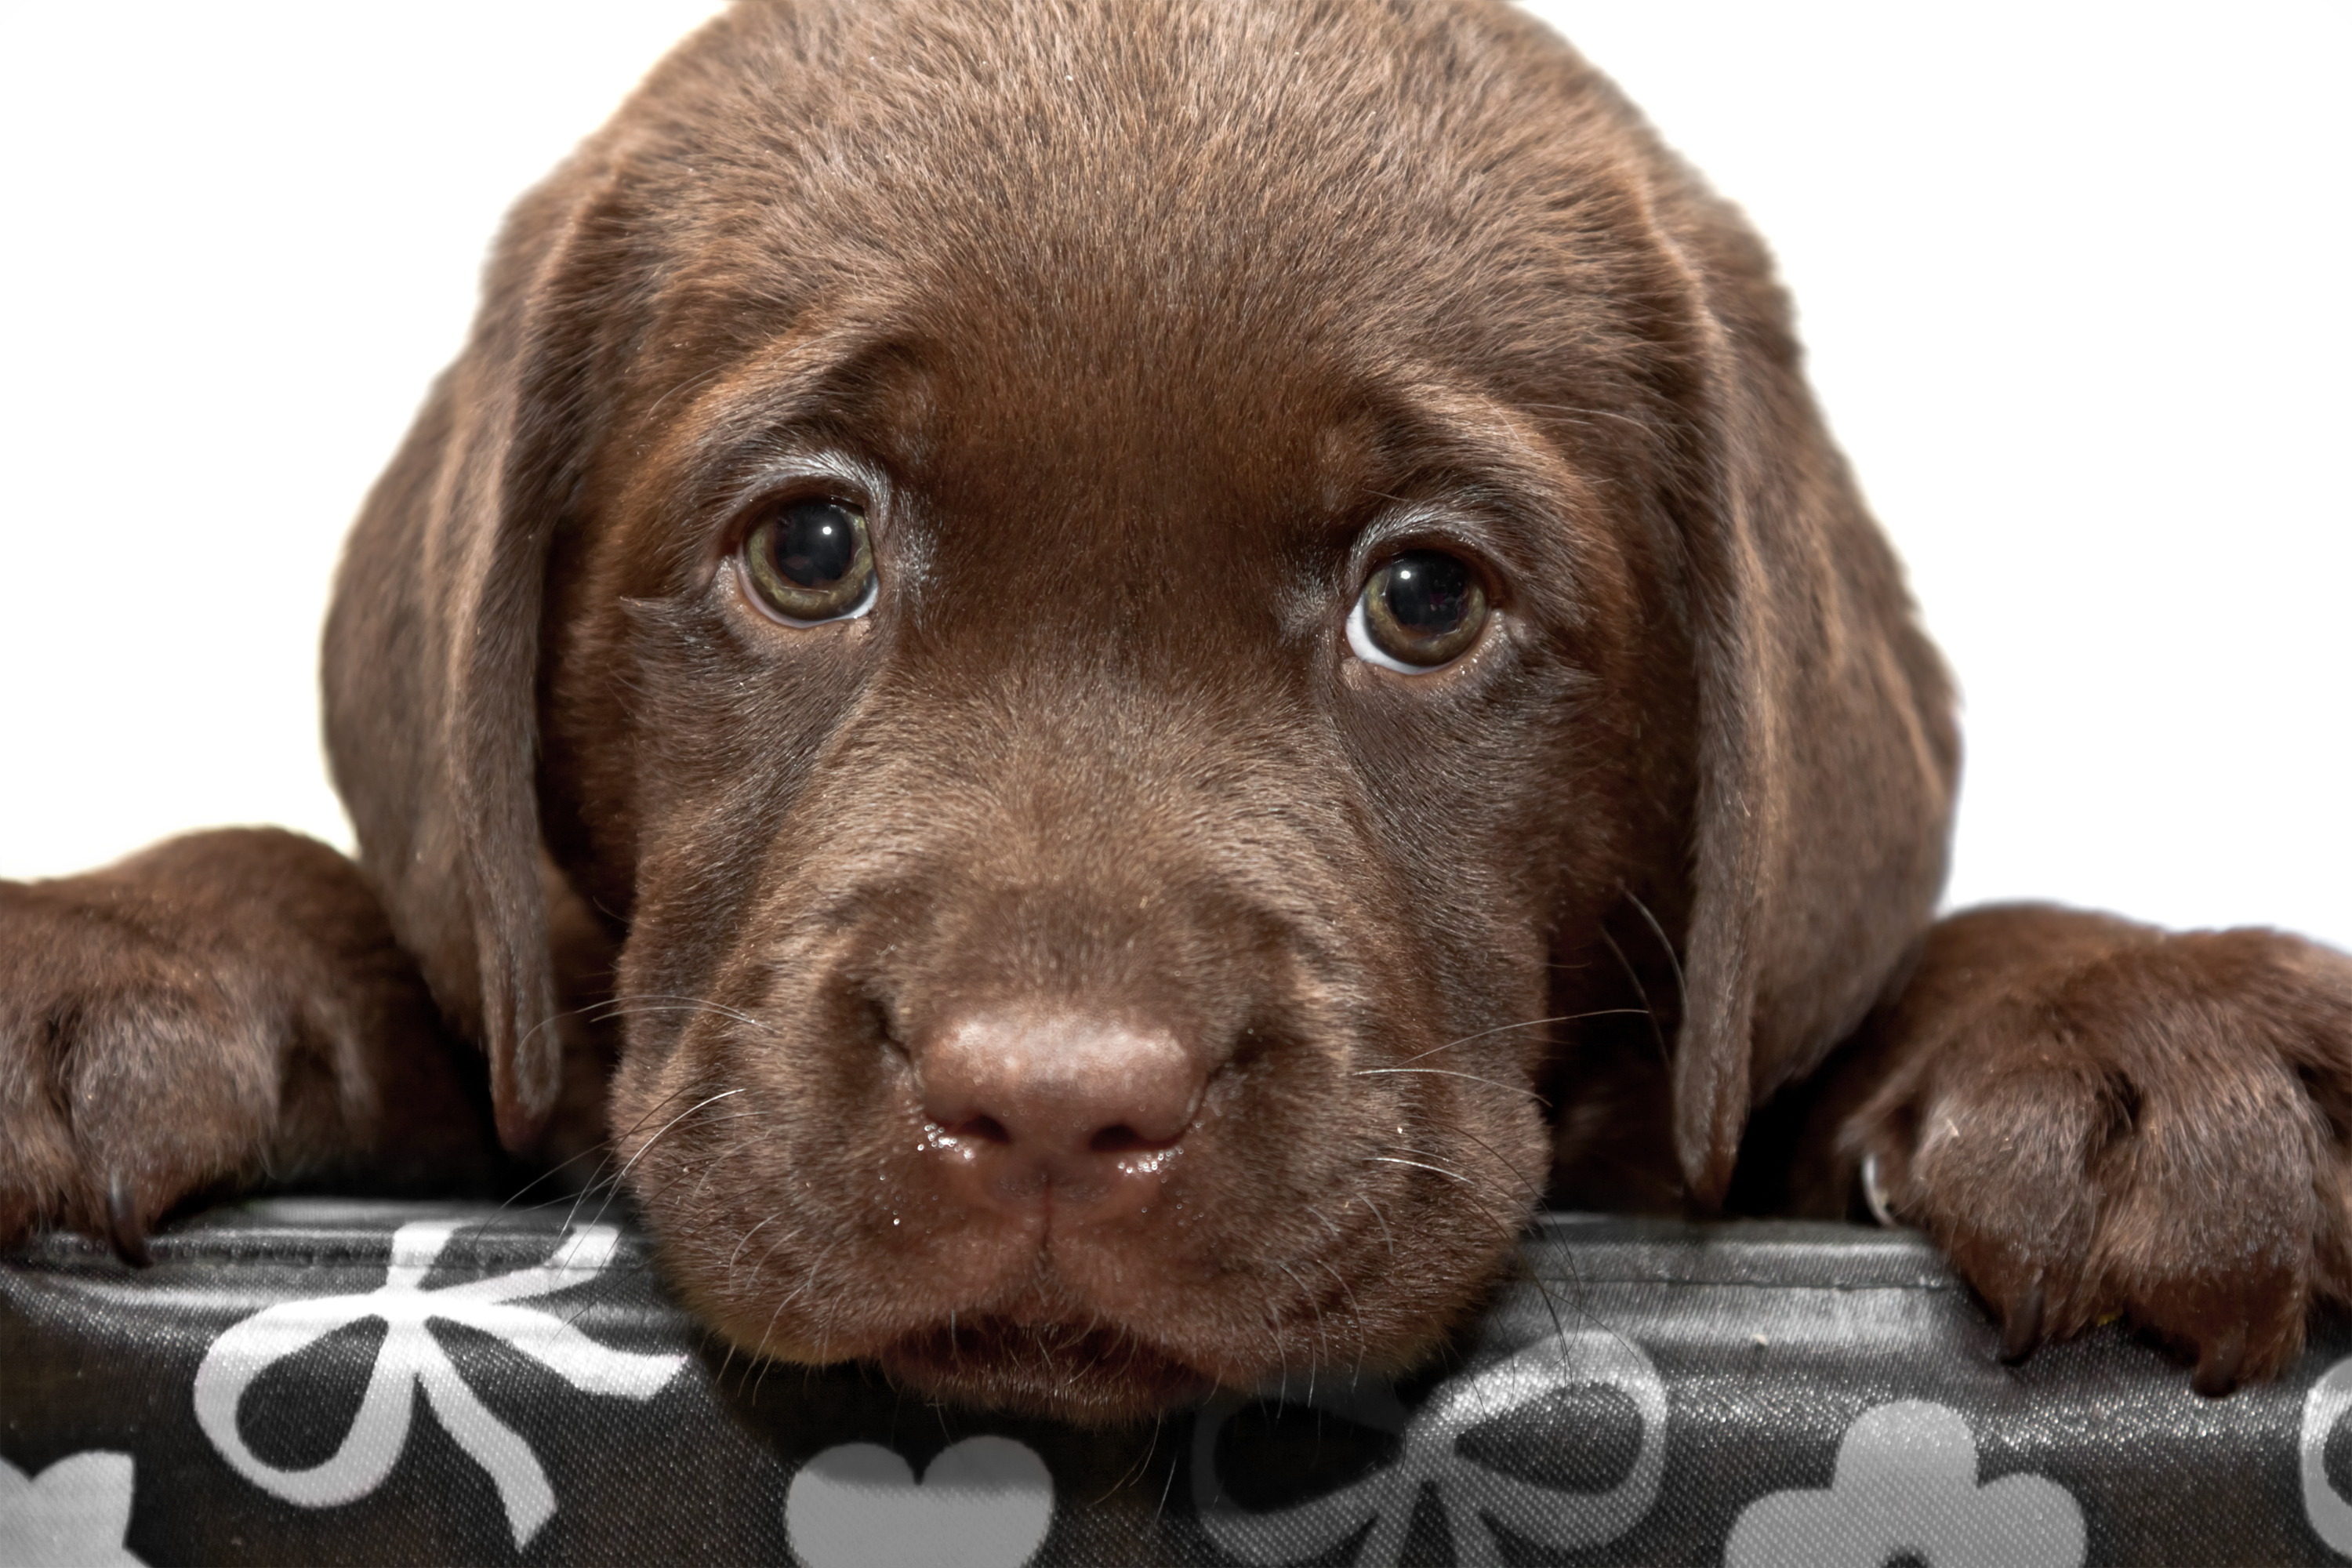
(2022, 1326)
(129, 1237)
(1874, 1192)
(2219, 1363)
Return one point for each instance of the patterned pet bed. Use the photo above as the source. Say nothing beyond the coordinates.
(301, 1381)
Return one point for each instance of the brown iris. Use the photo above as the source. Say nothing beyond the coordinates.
(811, 561)
(1422, 610)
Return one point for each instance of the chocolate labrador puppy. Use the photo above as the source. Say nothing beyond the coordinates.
(1134, 669)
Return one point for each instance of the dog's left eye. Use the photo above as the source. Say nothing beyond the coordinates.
(812, 563)
(1423, 609)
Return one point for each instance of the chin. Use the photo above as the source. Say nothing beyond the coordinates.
(1090, 1375)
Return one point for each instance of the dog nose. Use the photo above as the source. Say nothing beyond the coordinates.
(1057, 1112)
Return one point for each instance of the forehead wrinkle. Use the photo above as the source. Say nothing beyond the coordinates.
(708, 439)
(1232, 163)
(1470, 447)
(787, 383)
(887, 157)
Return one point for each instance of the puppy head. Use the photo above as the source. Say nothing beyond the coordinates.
(1097, 597)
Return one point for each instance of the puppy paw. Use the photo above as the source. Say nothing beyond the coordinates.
(223, 1009)
(135, 1067)
(2098, 1119)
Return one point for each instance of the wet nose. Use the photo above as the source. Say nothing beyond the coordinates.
(1057, 1111)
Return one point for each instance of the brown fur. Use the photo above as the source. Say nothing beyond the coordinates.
(1141, 333)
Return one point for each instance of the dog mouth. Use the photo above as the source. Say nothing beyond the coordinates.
(1092, 1375)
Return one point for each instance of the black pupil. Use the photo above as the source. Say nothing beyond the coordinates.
(1428, 594)
(816, 543)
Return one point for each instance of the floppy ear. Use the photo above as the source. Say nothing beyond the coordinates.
(1827, 752)
(432, 649)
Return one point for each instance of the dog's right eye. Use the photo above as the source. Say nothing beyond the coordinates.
(1422, 610)
(811, 562)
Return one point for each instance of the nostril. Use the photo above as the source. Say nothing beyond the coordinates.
(981, 1129)
(1124, 1139)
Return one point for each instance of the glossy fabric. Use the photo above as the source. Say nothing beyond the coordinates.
(331, 1382)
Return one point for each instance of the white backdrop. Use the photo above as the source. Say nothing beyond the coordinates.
(2074, 280)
